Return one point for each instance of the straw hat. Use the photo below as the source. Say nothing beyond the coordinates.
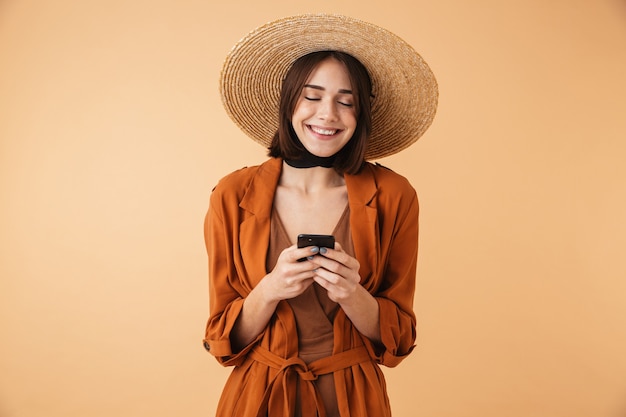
(404, 88)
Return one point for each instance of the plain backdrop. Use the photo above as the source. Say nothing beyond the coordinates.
(112, 135)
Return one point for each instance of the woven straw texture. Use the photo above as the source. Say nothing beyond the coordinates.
(404, 88)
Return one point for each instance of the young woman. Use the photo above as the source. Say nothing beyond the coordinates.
(307, 328)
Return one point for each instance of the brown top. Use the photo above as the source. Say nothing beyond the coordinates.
(313, 310)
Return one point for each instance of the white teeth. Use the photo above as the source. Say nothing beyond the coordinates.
(321, 131)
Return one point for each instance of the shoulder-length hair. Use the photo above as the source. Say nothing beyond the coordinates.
(285, 143)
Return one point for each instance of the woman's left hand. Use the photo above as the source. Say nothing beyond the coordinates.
(337, 272)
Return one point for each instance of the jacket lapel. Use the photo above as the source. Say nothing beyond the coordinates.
(254, 232)
(364, 222)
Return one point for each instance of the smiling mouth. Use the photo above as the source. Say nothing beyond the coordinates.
(322, 131)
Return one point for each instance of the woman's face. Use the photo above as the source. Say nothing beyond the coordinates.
(324, 117)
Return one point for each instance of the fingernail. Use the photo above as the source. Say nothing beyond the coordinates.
(323, 250)
(310, 258)
(315, 249)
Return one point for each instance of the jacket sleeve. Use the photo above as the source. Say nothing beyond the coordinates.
(395, 294)
(226, 294)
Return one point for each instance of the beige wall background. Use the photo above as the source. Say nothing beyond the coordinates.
(112, 135)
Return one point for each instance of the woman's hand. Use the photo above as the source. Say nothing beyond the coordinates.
(290, 277)
(338, 273)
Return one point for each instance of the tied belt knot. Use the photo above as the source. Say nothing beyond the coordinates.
(281, 392)
(300, 367)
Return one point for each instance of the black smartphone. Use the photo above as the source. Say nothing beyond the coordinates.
(322, 241)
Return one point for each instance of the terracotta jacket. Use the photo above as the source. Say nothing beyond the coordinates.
(384, 223)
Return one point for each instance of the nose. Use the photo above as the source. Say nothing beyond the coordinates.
(328, 111)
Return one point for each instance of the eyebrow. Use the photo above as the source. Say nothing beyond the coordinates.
(317, 87)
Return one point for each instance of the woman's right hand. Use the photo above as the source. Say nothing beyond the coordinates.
(290, 277)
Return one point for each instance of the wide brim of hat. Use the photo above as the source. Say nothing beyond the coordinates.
(404, 88)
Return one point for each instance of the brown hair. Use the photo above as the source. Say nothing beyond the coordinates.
(285, 144)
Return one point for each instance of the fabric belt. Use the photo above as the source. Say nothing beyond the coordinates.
(280, 395)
